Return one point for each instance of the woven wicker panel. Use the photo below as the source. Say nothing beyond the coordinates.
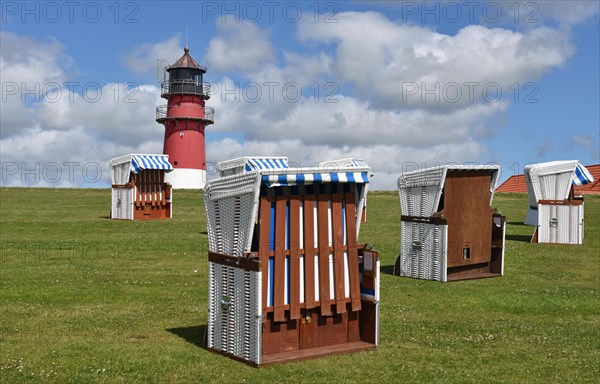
(560, 224)
(550, 181)
(423, 251)
(234, 305)
(230, 216)
(214, 291)
(422, 178)
(119, 173)
(122, 203)
(419, 201)
(555, 186)
(531, 191)
(419, 191)
(231, 186)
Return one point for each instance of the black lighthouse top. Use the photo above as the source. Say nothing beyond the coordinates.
(185, 77)
(186, 61)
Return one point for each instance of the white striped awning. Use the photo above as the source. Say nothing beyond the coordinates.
(582, 175)
(266, 163)
(141, 162)
(282, 180)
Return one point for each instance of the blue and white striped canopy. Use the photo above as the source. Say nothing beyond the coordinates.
(259, 164)
(582, 175)
(141, 162)
(283, 180)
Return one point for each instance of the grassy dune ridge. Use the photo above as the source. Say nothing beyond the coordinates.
(87, 299)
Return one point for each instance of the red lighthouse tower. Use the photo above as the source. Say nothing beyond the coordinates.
(185, 116)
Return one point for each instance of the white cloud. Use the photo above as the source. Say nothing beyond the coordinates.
(386, 60)
(25, 59)
(238, 46)
(387, 160)
(115, 113)
(29, 68)
(351, 122)
(148, 58)
(14, 116)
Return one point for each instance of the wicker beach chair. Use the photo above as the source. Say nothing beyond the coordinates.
(287, 277)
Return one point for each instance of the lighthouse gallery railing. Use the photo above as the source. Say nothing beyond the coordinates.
(164, 112)
(184, 87)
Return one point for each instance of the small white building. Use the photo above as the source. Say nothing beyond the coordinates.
(139, 190)
(287, 277)
(553, 208)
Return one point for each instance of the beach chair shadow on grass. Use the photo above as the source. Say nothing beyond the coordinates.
(195, 334)
(519, 238)
(387, 269)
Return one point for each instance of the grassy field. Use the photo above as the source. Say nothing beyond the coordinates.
(86, 299)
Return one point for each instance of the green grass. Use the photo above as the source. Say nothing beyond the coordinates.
(87, 299)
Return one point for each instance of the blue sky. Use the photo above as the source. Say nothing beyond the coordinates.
(395, 83)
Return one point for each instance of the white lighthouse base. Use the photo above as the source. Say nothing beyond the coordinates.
(186, 178)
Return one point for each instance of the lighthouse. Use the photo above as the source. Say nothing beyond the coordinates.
(185, 117)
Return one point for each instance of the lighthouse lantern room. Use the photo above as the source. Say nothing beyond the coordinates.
(185, 117)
